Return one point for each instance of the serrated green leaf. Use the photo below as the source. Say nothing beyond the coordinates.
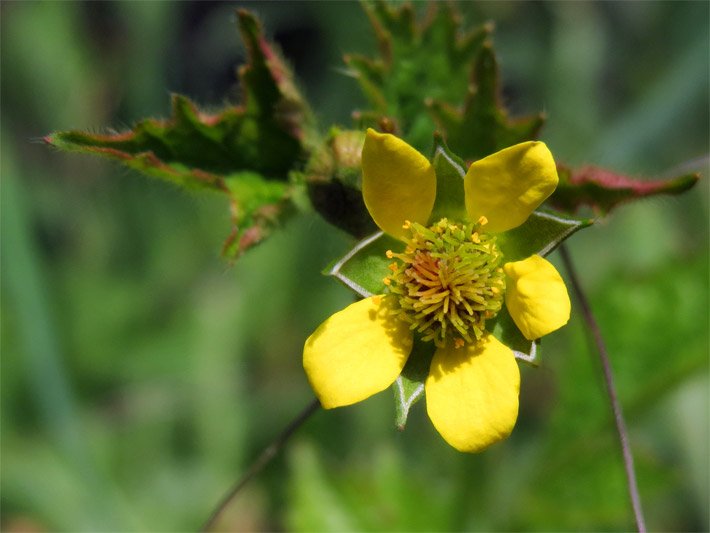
(450, 171)
(603, 190)
(418, 61)
(191, 149)
(365, 266)
(264, 134)
(483, 127)
(249, 146)
(540, 234)
(409, 386)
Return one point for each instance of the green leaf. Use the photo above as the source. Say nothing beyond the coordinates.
(258, 206)
(483, 127)
(409, 386)
(365, 266)
(603, 190)
(540, 234)
(450, 171)
(418, 61)
(258, 142)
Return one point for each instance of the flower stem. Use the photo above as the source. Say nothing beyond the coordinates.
(611, 390)
(257, 466)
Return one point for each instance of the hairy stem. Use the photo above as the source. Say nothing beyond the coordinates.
(257, 466)
(611, 390)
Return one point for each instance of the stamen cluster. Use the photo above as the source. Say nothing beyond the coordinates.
(448, 281)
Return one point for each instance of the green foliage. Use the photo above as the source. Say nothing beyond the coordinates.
(245, 151)
(418, 61)
(139, 378)
(482, 126)
(604, 190)
(249, 151)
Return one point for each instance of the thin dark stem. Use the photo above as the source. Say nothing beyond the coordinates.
(611, 390)
(257, 466)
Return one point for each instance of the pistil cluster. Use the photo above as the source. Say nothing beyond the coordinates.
(448, 281)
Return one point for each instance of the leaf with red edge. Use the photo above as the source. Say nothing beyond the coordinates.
(603, 190)
(242, 150)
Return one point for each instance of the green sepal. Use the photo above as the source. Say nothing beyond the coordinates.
(603, 190)
(450, 171)
(504, 329)
(254, 144)
(408, 388)
(540, 234)
(364, 267)
(333, 177)
(483, 127)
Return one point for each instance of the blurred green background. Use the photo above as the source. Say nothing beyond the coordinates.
(141, 374)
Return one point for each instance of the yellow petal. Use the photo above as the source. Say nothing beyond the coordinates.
(357, 352)
(536, 296)
(398, 183)
(507, 186)
(472, 393)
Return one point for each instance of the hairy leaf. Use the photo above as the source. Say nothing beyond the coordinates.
(482, 126)
(603, 190)
(418, 61)
(245, 151)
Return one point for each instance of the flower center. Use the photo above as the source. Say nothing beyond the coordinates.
(448, 281)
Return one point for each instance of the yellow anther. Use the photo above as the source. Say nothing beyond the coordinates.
(407, 224)
(443, 282)
(377, 300)
(482, 220)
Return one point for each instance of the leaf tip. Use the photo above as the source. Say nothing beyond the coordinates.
(683, 183)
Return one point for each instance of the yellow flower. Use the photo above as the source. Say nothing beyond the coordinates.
(449, 278)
